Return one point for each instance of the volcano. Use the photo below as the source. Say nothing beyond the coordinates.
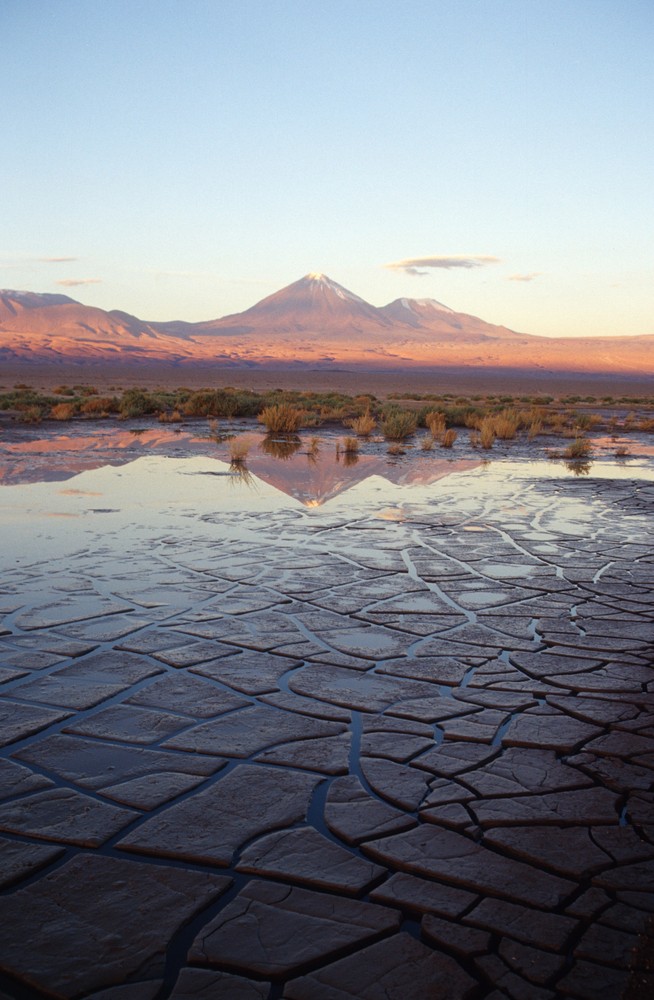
(311, 323)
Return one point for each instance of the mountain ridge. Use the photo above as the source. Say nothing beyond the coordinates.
(312, 322)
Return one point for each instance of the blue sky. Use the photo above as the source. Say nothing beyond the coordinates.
(188, 157)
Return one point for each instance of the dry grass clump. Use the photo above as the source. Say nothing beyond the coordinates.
(170, 418)
(622, 451)
(350, 446)
(487, 432)
(435, 423)
(398, 425)
(580, 449)
(63, 411)
(238, 450)
(281, 418)
(396, 449)
(449, 437)
(363, 425)
(99, 406)
(31, 415)
(427, 442)
(586, 421)
(505, 424)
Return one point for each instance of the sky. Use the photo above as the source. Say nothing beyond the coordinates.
(182, 159)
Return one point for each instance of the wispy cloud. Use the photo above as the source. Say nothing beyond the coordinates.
(56, 260)
(72, 282)
(415, 265)
(524, 277)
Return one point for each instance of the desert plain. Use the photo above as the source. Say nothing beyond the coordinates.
(283, 722)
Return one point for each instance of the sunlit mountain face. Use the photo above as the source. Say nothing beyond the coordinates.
(312, 323)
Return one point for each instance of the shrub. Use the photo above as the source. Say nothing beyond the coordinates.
(449, 437)
(579, 449)
(398, 425)
(427, 442)
(238, 450)
(31, 415)
(363, 425)
(396, 449)
(350, 446)
(281, 418)
(63, 411)
(505, 424)
(170, 418)
(135, 403)
(435, 422)
(487, 432)
(102, 406)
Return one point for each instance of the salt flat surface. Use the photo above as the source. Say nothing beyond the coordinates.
(317, 729)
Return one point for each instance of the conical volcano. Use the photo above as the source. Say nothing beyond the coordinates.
(314, 304)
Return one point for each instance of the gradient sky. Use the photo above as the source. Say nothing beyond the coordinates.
(185, 158)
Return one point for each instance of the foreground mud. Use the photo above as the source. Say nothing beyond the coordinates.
(363, 751)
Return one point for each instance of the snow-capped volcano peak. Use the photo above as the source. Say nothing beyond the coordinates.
(425, 304)
(317, 281)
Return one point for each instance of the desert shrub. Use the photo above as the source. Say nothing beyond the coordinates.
(31, 415)
(505, 424)
(281, 418)
(579, 449)
(63, 411)
(174, 417)
(586, 421)
(350, 446)
(363, 425)
(427, 442)
(397, 425)
(435, 422)
(101, 406)
(462, 416)
(487, 432)
(622, 451)
(137, 403)
(63, 390)
(534, 428)
(448, 439)
(86, 390)
(396, 449)
(238, 450)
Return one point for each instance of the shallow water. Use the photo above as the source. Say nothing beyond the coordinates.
(438, 664)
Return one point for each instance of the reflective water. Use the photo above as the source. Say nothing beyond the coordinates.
(63, 492)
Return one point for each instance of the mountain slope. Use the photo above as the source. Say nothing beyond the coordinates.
(314, 322)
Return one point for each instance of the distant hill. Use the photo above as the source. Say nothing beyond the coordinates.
(314, 322)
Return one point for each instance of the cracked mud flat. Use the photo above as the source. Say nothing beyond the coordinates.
(400, 745)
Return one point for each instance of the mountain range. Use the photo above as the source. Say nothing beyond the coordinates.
(312, 323)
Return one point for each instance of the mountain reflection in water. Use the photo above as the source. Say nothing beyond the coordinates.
(312, 471)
